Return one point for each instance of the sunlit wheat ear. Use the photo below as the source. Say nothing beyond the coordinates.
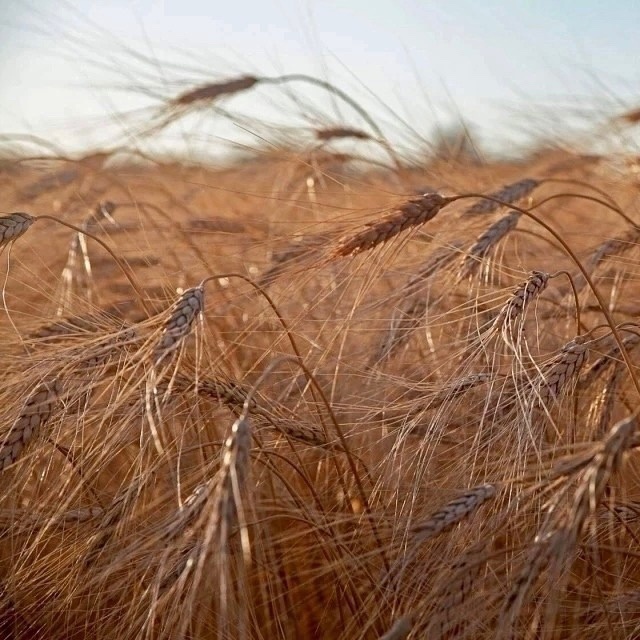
(13, 226)
(413, 213)
(509, 194)
(184, 313)
(602, 407)
(35, 413)
(235, 469)
(226, 490)
(486, 241)
(562, 369)
(227, 512)
(189, 512)
(521, 298)
(78, 246)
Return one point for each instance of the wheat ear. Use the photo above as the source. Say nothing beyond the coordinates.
(453, 512)
(330, 133)
(408, 316)
(457, 585)
(184, 313)
(521, 298)
(13, 226)
(544, 549)
(508, 194)
(35, 413)
(486, 241)
(562, 369)
(211, 91)
(445, 518)
(227, 512)
(597, 475)
(413, 213)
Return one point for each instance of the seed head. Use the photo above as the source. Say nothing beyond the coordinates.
(13, 226)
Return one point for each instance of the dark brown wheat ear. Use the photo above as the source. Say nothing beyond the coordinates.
(214, 90)
(13, 226)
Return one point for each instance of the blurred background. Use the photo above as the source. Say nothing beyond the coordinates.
(509, 73)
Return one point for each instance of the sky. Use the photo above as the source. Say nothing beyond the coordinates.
(510, 69)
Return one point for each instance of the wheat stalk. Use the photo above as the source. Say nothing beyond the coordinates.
(508, 194)
(413, 213)
(35, 413)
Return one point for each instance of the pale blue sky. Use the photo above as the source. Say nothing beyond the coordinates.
(498, 64)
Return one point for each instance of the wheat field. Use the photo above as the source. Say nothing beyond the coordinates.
(315, 394)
